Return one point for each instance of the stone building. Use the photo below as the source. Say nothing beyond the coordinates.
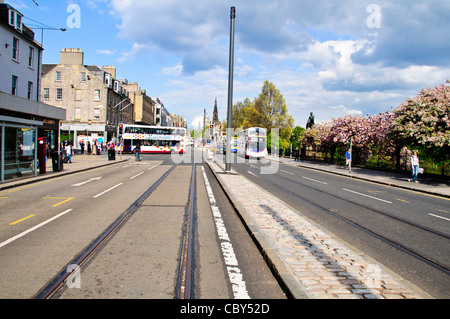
(94, 99)
(144, 106)
(24, 119)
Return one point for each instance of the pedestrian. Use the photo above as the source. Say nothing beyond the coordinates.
(82, 147)
(414, 159)
(303, 153)
(88, 148)
(297, 154)
(348, 159)
(137, 151)
(68, 149)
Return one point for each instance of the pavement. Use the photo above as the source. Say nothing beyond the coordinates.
(309, 262)
(79, 163)
(425, 184)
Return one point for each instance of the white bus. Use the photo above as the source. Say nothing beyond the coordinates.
(253, 142)
(154, 139)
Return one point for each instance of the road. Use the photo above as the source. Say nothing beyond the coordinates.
(386, 223)
(45, 225)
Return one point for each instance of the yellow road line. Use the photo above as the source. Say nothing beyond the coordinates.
(21, 220)
(64, 201)
(402, 200)
(444, 211)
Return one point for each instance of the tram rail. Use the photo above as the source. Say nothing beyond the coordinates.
(59, 281)
(418, 255)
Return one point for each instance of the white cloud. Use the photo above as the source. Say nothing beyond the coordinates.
(321, 55)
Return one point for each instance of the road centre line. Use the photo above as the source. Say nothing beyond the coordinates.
(234, 273)
(136, 175)
(314, 180)
(6, 242)
(286, 172)
(109, 189)
(21, 220)
(382, 200)
(439, 216)
(154, 166)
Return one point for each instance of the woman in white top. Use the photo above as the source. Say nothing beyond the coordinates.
(414, 166)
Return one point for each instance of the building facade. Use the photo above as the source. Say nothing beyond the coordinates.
(96, 102)
(162, 116)
(25, 121)
(144, 106)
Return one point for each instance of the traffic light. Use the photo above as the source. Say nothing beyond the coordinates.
(120, 129)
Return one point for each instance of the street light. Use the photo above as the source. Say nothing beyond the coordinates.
(49, 28)
(230, 92)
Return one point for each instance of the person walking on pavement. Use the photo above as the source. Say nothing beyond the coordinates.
(68, 149)
(414, 166)
(348, 159)
(137, 151)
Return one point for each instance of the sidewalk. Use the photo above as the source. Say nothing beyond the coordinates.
(79, 163)
(425, 184)
(310, 262)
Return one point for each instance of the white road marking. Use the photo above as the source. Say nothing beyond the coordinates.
(6, 242)
(382, 200)
(154, 166)
(286, 172)
(85, 182)
(315, 180)
(136, 175)
(109, 189)
(234, 273)
(439, 216)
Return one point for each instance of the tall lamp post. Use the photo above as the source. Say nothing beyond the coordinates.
(230, 93)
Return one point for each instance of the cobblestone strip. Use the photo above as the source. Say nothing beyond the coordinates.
(322, 266)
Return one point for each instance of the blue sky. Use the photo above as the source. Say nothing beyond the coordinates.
(333, 58)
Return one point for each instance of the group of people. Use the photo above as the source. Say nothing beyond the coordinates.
(93, 148)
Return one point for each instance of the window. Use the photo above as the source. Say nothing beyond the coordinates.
(31, 57)
(46, 94)
(15, 19)
(96, 114)
(14, 85)
(18, 22)
(97, 95)
(83, 77)
(15, 48)
(77, 114)
(12, 18)
(58, 76)
(78, 95)
(59, 94)
(30, 90)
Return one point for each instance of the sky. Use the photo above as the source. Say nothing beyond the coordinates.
(332, 58)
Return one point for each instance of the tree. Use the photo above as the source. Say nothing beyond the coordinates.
(268, 110)
(424, 122)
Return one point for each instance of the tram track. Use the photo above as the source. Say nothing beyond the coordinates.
(394, 243)
(73, 267)
(185, 286)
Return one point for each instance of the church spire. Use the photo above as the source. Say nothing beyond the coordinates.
(215, 113)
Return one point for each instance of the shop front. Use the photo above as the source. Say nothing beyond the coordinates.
(18, 148)
(29, 131)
